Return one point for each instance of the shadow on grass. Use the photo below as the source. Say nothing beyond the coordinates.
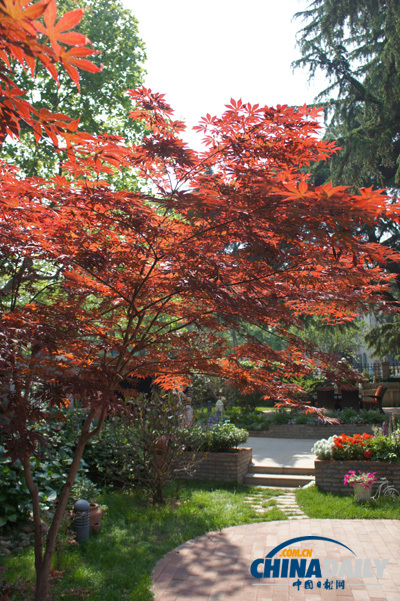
(117, 563)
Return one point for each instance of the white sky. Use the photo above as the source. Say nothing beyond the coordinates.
(201, 54)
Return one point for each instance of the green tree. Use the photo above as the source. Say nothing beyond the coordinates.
(102, 104)
(341, 340)
(385, 339)
(355, 43)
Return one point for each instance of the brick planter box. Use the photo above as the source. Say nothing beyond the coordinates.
(304, 431)
(225, 467)
(329, 475)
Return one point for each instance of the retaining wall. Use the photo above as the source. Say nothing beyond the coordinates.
(329, 475)
(304, 431)
(225, 467)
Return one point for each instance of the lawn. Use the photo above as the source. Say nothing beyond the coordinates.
(323, 505)
(116, 564)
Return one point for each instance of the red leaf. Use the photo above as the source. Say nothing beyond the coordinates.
(72, 59)
(56, 31)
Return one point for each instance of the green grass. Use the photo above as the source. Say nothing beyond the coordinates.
(117, 562)
(322, 505)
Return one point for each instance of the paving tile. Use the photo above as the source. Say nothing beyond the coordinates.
(216, 567)
(217, 596)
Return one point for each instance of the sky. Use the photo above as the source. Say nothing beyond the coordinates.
(202, 54)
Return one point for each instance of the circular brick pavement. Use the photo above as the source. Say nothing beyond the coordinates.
(216, 566)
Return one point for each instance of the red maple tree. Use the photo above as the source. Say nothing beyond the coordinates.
(99, 285)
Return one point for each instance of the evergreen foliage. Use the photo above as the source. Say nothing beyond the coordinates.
(355, 43)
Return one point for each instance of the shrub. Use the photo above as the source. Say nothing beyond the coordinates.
(49, 467)
(385, 448)
(302, 418)
(281, 417)
(370, 416)
(215, 438)
(348, 416)
(110, 456)
(14, 496)
(236, 413)
(146, 447)
(249, 419)
(223, 438)
(254, 420)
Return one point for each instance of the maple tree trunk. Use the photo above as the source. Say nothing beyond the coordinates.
(43, 560)
(37, 522)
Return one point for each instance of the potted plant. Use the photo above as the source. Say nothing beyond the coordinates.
(361, 482)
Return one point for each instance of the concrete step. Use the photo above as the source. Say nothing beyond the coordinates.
(277, 480)
(279, 469)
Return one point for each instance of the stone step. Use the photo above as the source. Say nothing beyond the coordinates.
(277, 480)
(279, 469)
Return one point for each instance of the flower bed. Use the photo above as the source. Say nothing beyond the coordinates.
(329, 474)
(360, 446)
(361, 452)
(298, 424)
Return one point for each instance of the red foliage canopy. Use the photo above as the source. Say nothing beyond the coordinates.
(20, 42)
(98, 284)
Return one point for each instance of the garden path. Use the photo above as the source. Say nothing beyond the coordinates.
(287, 452)
(286, 502)
(216, 566)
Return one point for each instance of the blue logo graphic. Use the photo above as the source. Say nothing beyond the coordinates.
(301, 539)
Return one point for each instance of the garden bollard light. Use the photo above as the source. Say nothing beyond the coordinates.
(219, 410)
(80, 522)
(209, 408)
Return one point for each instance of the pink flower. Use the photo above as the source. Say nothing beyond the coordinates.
(364, 478)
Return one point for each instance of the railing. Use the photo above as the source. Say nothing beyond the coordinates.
(379, 369)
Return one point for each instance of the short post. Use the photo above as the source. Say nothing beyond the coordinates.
(385, 370)
(209, 408)
(219, 410)
(377, 371)
(80, 523)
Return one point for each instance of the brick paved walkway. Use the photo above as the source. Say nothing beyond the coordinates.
(216, 566)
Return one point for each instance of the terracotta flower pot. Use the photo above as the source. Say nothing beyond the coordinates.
(95, 515)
